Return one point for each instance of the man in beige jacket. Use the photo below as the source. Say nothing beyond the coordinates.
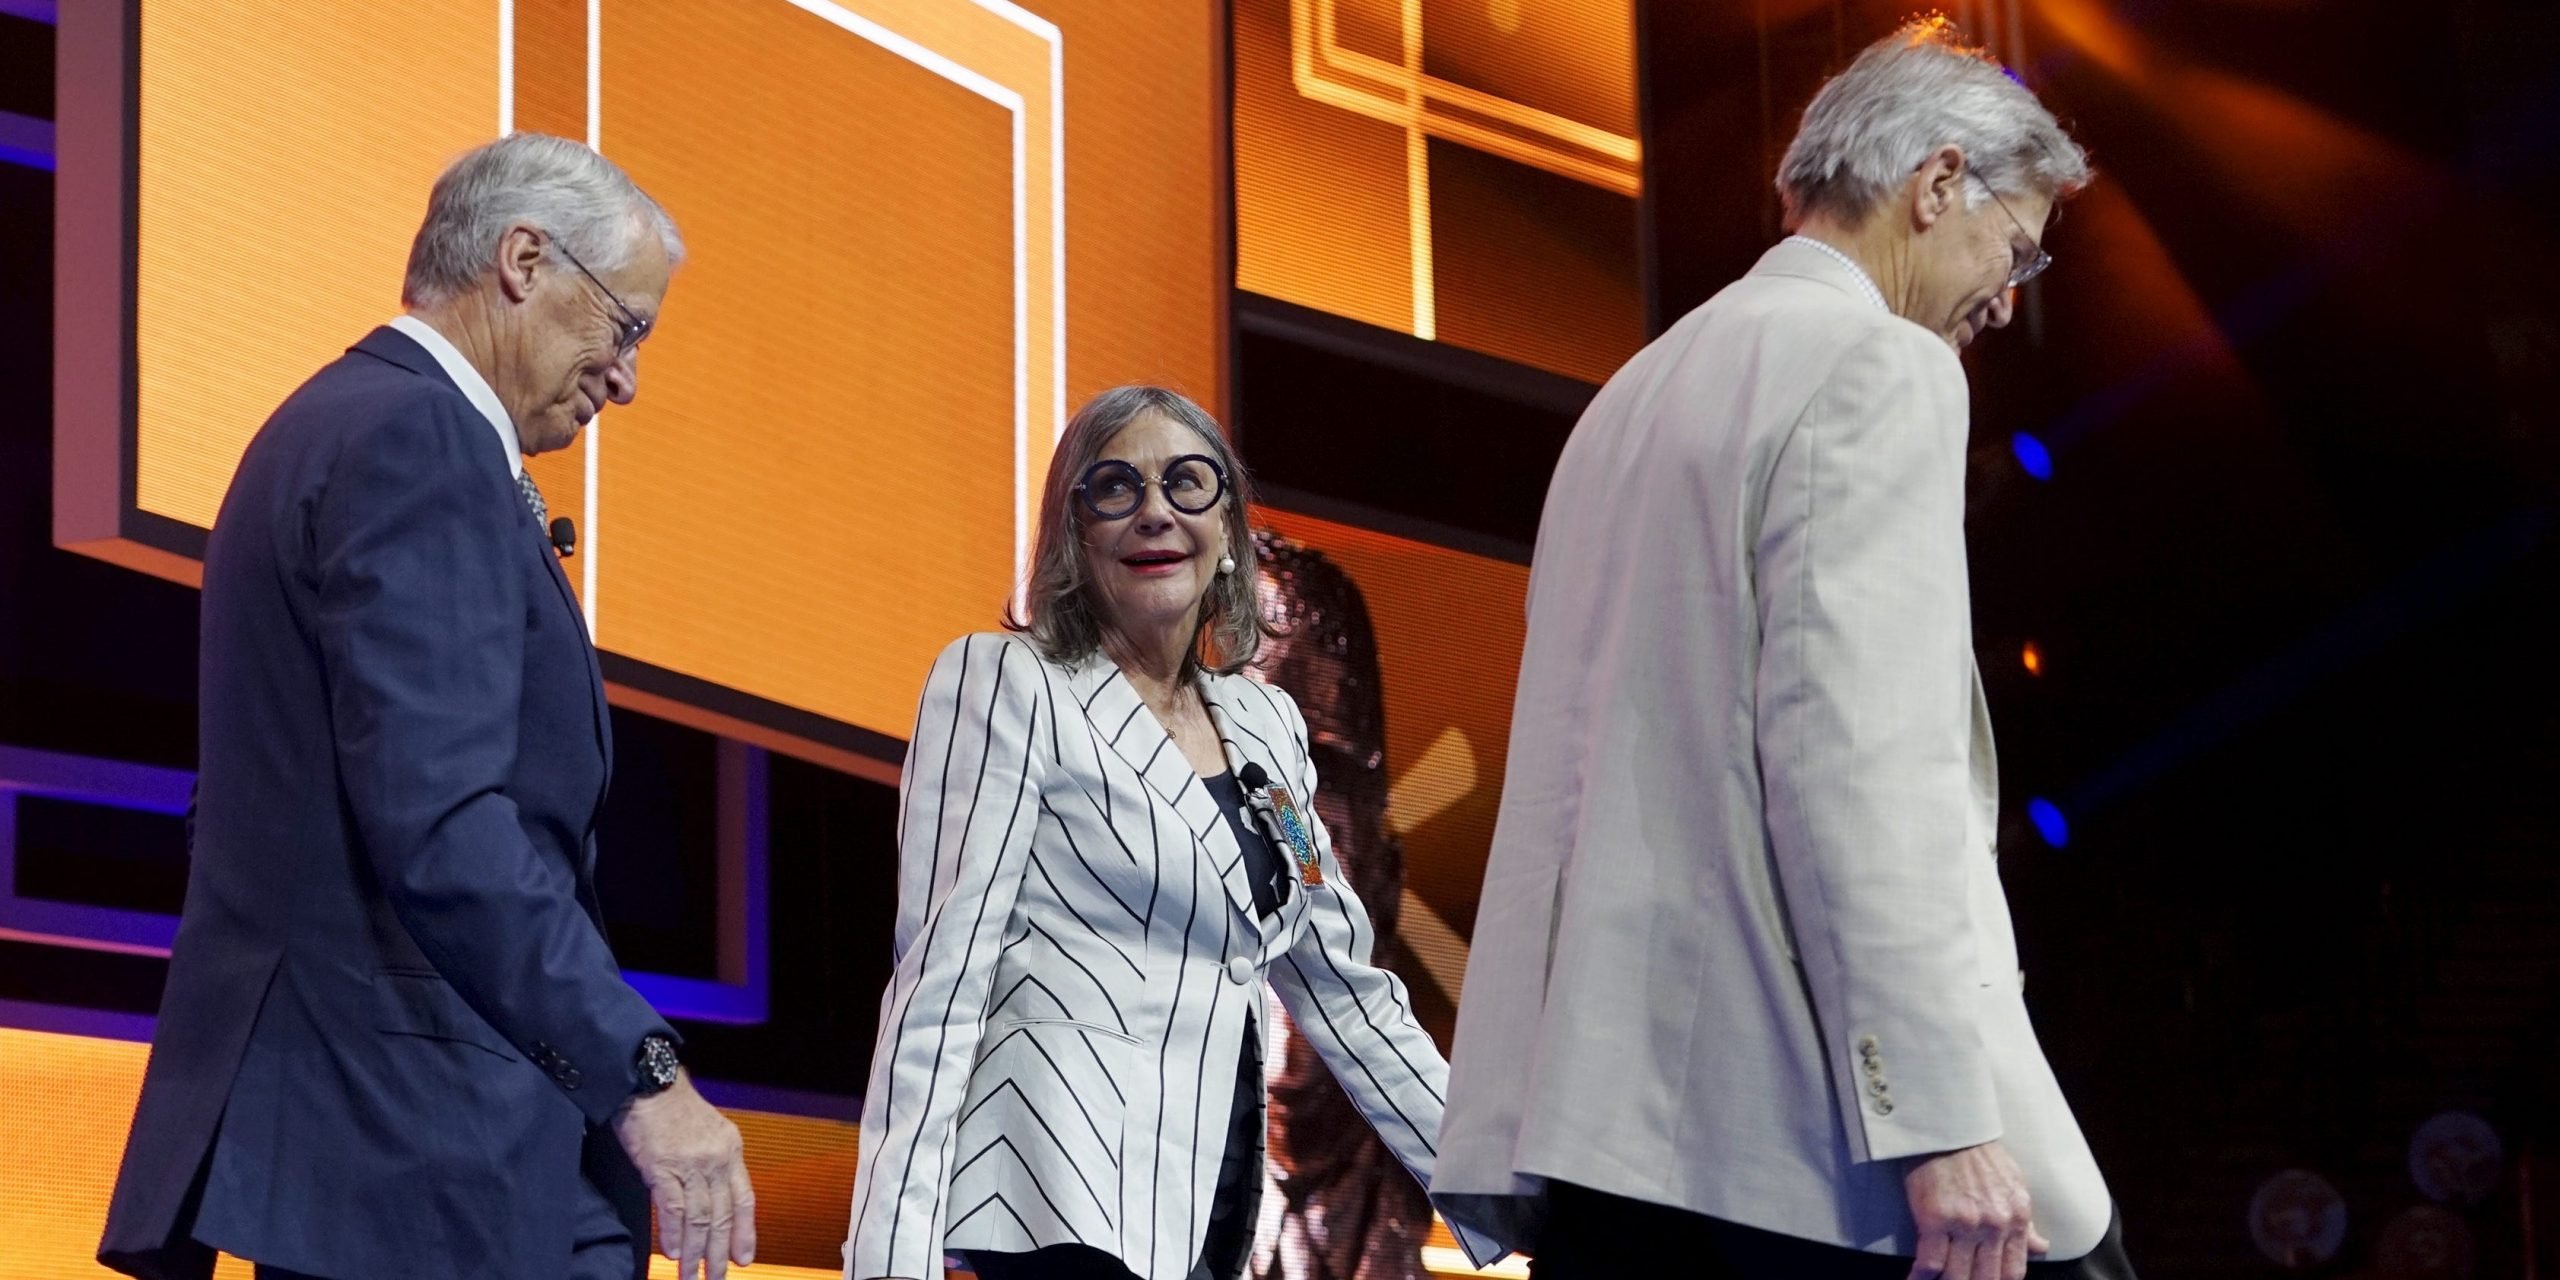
(1744, 997)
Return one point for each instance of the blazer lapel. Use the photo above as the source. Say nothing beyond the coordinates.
(595, 683)
(1130, 731)
(1248, 737)
(394, 347)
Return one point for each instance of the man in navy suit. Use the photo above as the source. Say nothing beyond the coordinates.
(394, 1041)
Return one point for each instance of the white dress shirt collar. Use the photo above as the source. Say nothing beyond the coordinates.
(474, 387)
(1866, 283)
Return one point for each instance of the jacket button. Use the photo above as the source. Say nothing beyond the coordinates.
(1884, 1106)
(1239, 970)
(569, 1078)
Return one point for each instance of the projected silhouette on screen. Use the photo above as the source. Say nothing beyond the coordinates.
(1345, 1209)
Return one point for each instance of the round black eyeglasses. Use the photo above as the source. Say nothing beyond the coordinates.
(1114, 490)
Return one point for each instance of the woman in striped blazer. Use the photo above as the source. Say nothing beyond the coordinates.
(1106, 850)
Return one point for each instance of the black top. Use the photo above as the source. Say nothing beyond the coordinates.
(1263, 865)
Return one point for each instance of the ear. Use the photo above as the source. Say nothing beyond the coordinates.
(1937, 186)
(519, 256)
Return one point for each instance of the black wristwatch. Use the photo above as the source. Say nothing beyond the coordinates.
(656, 1063)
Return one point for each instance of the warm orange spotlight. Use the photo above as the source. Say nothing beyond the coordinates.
(2149, 294)
(2312, 168)
(2033, 659)
(2086, 26)
(2320, 173)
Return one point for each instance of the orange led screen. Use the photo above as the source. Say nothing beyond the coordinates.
(1462, 170)
(236, 186)
(917, 229)
(65, 1101)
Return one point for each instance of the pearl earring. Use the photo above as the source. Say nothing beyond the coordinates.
(1226, 564)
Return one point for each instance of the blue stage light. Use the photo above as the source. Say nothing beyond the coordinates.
(2032, 455)
(2049, 821)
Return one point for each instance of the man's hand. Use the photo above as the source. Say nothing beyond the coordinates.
(1973, 1214)
(690, 1156)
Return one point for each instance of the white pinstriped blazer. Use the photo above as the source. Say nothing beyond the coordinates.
(1077, 954)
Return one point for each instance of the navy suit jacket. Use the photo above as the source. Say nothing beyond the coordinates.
(392, 1030)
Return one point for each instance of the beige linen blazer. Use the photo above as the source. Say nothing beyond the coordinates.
(1742, 947)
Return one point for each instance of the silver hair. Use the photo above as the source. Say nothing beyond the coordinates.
(584, 201)
(1906, 96)
(1061, 618)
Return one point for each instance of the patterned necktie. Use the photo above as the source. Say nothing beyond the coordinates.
(533, 499)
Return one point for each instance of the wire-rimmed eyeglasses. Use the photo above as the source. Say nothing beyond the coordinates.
(631, 328)
(2026, 264)
(1114, 490)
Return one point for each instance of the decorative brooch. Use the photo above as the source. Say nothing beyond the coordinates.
(1273, 799)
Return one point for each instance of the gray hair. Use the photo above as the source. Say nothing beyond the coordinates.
(1060, 616)
(1907, 95)
(586, 202)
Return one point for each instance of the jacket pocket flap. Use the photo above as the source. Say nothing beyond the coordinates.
(1002, 1025)
(424, 1004)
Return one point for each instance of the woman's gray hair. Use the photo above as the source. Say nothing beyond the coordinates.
(1060, 614)
(1907, 95)
(586, 203)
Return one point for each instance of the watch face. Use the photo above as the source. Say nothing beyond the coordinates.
(657, 1063)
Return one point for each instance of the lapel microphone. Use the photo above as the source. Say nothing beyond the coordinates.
(1257, 796)
(564, 537)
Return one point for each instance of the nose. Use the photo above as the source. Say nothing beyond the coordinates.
(622, 378)
(2003, 305)
(1155, 510)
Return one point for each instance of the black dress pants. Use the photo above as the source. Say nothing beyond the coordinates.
(1592, 1235)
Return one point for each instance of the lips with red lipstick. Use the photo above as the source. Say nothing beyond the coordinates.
(1155, 562)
